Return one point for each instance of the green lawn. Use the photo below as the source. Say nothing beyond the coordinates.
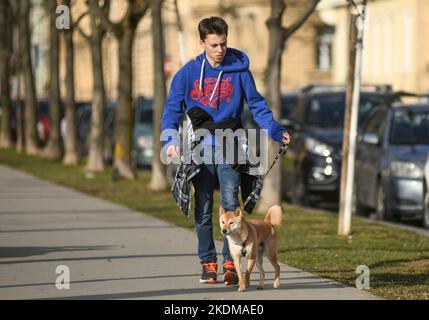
(398, 260)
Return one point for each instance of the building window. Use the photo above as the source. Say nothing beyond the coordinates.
(324, 39)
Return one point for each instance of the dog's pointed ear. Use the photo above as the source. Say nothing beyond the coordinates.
(221, 211)
(237, 212)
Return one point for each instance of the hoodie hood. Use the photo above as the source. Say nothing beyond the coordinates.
(234, 61)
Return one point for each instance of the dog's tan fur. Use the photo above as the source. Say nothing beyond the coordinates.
(259, 237)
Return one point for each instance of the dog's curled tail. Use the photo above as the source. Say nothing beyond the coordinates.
(274, 216)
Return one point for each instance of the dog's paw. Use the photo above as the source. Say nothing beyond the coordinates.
(276, 284)
(260, 287)
(241, 289)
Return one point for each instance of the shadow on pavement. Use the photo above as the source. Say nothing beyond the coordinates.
(208, 289)
(28, 251)
(91, 228)
(9, 252)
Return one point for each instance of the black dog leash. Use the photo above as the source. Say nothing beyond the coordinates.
(255, 193)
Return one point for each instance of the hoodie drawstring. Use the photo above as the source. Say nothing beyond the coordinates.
(201, 74)
(215, 88)
(201, 80)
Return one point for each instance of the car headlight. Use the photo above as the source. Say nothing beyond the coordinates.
(144, 142)
(406, 170)
(317, 147)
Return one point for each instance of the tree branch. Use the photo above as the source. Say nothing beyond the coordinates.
(83, 15)
(102, 12)
(300, 21)
(140, 9)
(82, 33)
(136, 10)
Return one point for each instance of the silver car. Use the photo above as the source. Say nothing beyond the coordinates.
(392, 163)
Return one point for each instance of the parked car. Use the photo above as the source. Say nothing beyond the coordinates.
(43, 122)
(392, 151)
(288, 99)
(312, 165)
(143, 131)
(83, 122)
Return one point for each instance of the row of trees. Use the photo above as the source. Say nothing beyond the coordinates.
(15, 60)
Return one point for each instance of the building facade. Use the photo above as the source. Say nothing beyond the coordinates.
(395, 43)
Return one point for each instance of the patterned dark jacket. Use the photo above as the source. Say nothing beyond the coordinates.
(251, 185)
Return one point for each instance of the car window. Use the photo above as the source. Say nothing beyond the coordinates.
(298, 112)
(410, 127)
(288, 104)
(328, 111)
(376, 123)
(145, 116)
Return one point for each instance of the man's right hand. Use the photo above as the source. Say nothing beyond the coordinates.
(173, 151)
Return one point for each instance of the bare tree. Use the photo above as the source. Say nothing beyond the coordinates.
(124, 31)
(278, 35)
(52, 149)
(70, 143)
(22, 10)
(5, 59)
(158, 177)
(98, 31)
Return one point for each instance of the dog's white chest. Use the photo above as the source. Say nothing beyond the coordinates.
(238, 249)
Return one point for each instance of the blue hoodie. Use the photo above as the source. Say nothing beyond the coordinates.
(219, 91)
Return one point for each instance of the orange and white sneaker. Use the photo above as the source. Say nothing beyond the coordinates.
(209, 274)
(230, 276)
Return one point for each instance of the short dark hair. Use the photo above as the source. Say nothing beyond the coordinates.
(212, 25)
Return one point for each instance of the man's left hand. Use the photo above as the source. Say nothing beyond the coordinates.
(287, 138)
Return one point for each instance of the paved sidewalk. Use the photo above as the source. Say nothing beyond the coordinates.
(114, 253)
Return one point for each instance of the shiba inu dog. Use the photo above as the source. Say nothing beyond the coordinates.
(252, 239)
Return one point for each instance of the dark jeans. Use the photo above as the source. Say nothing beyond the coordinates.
(204, 184)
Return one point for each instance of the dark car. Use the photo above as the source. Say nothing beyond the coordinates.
(392, 157)
(312, 165)
(83, 122)
(43, 120)
(143, 131)
(288, 100)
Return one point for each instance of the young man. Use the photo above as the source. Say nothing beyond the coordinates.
(217, 81)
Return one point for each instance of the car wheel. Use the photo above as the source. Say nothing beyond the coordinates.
(425, 220)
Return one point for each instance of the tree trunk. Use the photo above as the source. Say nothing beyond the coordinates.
(159, 177)
(5, 55)
(53, 150)
(96, 140)
(30, 108)
(124, 116)
(271, 193)
(70, 143)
